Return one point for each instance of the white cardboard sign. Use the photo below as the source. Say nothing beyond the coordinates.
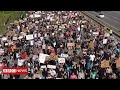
(37, 16)
(95, 33)
(29, 37)
(42, 57)
(43, 66)
(51, 66)
(20, 62)
(4, 38)
(61, 60)
(20, 37)
(104, 41)
(64, 55)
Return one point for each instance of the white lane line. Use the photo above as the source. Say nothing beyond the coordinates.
(103, 21)
(108, 19)
(116, 12)
(113, 16)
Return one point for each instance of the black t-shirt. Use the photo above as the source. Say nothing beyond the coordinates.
(18, 45)
(87, 58)
(69, 63)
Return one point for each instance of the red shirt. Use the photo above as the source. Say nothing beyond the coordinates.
(73, 77)
(9, 49)
(23, 56)
(67, 33)
(52, 51)
(73, 27)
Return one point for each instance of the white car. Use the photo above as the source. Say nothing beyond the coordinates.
(100, 15)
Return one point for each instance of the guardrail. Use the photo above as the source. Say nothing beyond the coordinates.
(102, 24)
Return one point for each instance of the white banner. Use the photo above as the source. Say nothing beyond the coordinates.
(29, 37)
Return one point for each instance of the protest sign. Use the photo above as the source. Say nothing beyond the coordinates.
(43, 46)
(61, 27)
(95, 33)
(14, 38)
(105, 64)
(43, 66)
(51, 66)
(6, 44)
(20, 62)
(1, 50)
(104, 41)
(64, 55)
(118, 63)
(37, 16)
(22, 34)
(59, 78)
(106, 34)
(64, 16)
(4, 38)
(31, 16)
(61, 60)
(70, 44)
(42, 57)
(29, 37)
(87, 40)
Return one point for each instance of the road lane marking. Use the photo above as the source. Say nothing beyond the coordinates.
(103, 21)
(112, 16)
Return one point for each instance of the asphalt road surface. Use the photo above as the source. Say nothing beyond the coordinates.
(111, 17)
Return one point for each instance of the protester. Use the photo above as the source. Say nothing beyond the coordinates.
(60, 45)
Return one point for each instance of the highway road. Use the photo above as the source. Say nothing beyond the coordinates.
(111, 17)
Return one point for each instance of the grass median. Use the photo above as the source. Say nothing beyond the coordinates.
(8, 17)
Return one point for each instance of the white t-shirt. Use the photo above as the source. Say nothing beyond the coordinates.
(81, 75)
(78, 28)
(109, 70)
(92, 57)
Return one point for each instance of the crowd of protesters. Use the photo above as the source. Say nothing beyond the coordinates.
(59, 34)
